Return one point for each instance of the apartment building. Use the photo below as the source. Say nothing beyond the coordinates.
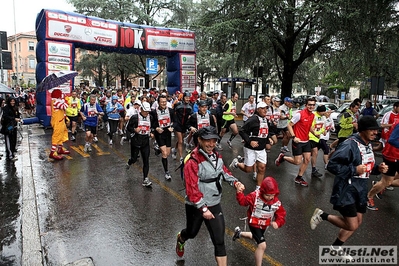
(22, 47)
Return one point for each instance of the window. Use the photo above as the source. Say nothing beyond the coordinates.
(31, 46)
(31, 63)
(154, 83)
(19, 47)
(141, 82)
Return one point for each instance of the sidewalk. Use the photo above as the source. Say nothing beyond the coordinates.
(31, 245)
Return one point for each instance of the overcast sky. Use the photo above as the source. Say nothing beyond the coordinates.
(25, 13)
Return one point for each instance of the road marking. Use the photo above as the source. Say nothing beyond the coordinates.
(64, 155)
(99, 150)
(80, 149)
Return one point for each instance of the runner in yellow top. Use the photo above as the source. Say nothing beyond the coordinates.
(318, 126)
(72, 112)
(229, 113)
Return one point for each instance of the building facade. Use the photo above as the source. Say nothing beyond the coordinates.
(23, 55)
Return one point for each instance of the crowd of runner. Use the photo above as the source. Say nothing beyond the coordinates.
(148, 119)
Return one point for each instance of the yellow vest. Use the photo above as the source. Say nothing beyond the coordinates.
(318, 126)
(232, 108)
(73, 106)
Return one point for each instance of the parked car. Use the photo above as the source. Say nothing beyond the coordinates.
(386, 102)
(383, 111)
(300, 100)
(330, 106)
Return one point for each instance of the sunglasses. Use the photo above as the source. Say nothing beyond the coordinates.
(311, 105)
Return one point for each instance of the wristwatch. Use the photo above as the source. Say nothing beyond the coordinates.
(204, 209)
(293, 137)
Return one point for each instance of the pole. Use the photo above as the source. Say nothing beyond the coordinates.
(232, 45)
(1, 61)
(257, 83)
(232, 74)
(16, 45)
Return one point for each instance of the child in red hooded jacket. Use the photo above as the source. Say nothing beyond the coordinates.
(264, 209)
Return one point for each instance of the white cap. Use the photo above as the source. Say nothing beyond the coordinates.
(146, 107)
(261, 105)
(137, 102)
(276, 99)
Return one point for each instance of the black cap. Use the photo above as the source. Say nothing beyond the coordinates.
(321, 108)
(209, 132)
(187, 94)
(367, 122)
(203, 103)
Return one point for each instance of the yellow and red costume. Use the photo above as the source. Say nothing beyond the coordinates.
(60, 131)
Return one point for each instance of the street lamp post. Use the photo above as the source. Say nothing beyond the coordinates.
(232, 88)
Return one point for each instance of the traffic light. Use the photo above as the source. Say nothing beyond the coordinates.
(7, 63)
(3, 38)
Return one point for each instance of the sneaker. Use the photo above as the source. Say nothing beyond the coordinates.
(379, 194)
(122, 140)
(146, 182)
(73, 138)
(229, 143)
(120, 132)
(179, 246)
(174, 153)
(254, 176)
(390, 188)
(284, 149)
(279, 159)
(344, 256)
(233, 164)
(237, 233)
(95, 139)
(86, 149)
(168, 176)
(127, 166)
(316, 218)
(240, 159)
(371, 206)
(157, 151)
(301, 181)
(110, 142)
(89, 148)
(316, 174)
(219, 147)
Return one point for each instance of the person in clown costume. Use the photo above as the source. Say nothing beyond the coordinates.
(60, 131)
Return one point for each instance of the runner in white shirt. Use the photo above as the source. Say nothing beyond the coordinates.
(248, 109)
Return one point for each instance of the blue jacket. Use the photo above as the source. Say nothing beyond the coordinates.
(347, 188)
(110, 110)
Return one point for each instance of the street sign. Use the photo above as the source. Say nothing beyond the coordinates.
(151, 66)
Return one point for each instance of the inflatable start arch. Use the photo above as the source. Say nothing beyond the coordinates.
(59, 33)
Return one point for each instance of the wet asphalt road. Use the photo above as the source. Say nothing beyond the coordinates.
(91, 206)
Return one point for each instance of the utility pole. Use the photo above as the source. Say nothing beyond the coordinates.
(230, 93)
(16, 46)
(1, 60)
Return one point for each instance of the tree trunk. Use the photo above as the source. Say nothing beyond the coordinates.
(288, 78)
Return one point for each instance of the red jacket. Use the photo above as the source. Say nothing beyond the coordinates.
(270, 211)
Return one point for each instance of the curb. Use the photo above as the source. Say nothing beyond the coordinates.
(31, 244)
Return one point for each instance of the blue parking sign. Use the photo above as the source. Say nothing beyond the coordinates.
(151, 66)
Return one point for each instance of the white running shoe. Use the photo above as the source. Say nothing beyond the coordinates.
(95, 139)
(174, 153)
(233, 164)
(146, 182)
(168, 176)
(316, 218)
(110, 142)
